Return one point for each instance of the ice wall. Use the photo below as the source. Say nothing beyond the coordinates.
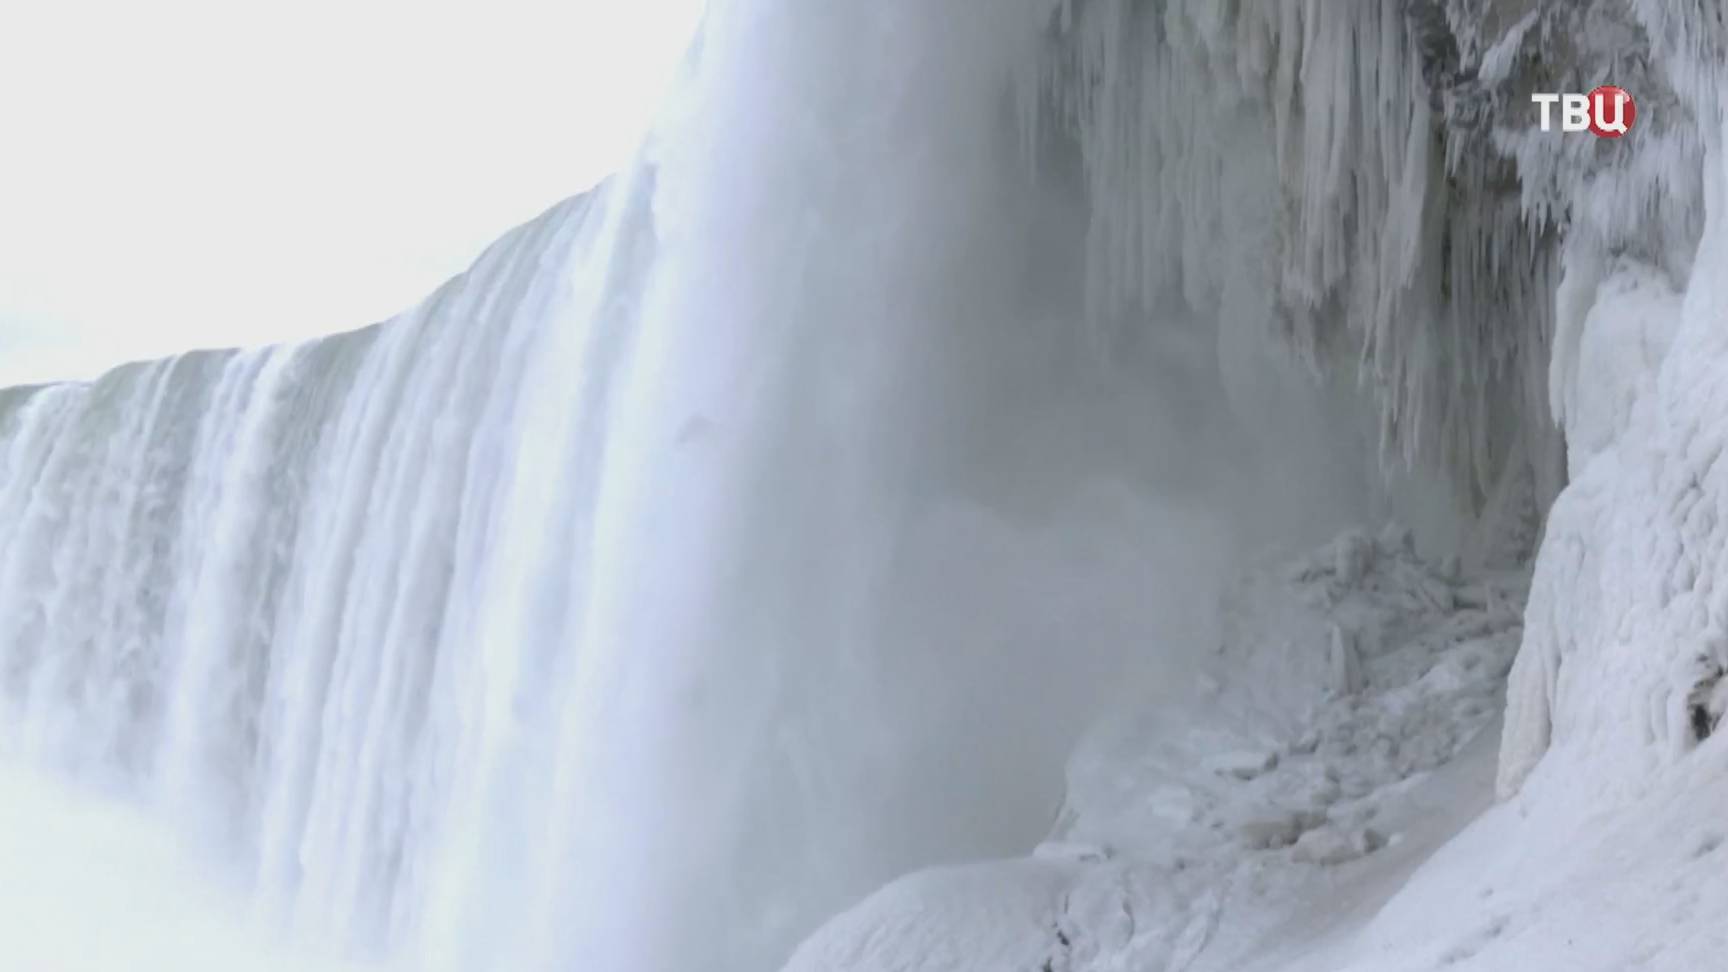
(1286, 167)
(1617, 677)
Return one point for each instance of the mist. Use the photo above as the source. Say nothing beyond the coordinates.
(932, 519)
(93, 884)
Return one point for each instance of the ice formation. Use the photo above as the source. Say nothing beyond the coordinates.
(1281, 165)
(847, 488)
(1601, 856)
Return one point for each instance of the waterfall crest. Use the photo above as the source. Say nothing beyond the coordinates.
(255, 588)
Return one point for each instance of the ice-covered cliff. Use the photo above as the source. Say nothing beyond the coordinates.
(850, 487)
(1424, 221)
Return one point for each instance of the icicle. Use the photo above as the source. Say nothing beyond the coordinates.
(1412, 224)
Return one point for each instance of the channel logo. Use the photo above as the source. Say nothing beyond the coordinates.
(1607, 112)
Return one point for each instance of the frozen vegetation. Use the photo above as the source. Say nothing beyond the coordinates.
(931, 507)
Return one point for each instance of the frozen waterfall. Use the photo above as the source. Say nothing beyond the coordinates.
(257, 589)
(721, 545)
(773, 520)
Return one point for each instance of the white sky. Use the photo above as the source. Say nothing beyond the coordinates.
(199, 173)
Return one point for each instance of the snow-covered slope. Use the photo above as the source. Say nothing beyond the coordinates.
(1343, 729)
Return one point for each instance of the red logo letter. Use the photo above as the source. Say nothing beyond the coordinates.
(1612, 112)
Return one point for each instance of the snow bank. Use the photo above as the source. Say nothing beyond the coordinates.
(1576, 880)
